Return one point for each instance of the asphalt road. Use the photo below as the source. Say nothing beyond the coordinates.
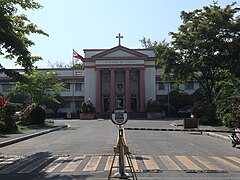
(83, 151)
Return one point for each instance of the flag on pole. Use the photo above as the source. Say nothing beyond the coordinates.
(76, 55)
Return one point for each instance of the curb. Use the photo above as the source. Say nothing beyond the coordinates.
(19, 139)
(226, 138)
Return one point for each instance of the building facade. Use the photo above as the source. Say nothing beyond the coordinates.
(119, 77)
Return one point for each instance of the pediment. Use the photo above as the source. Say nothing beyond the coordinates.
(119, 51)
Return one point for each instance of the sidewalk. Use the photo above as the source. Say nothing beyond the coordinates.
(220, 135)
(179, 124)
(8, 139)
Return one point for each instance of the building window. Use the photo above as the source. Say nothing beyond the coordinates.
(189, 86)
(173, 86)
(67, 104)
(78, 104)
(133, 76)
(161, 86)
(68, 86)
(106, 76)
(78, 87)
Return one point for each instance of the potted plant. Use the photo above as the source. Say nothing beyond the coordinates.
(152, 108)
(87, 110)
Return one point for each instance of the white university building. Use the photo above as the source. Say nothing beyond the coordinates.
(119, 76)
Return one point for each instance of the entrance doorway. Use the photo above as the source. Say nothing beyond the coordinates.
(106, 104)
(120, 101)
(134, 103)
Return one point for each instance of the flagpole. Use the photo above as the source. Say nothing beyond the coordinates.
(77, 56)
(73, 82)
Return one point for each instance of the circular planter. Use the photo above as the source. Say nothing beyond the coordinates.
(87, 116)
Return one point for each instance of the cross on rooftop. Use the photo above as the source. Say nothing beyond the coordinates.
(119, 38)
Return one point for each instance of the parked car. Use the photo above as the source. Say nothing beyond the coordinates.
(184, 112)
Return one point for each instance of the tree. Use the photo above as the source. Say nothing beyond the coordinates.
(40, 87)
(55, 105)
(228, 87)
(59, 64)
(180, 99)
(14, 31)
(147, 43)
(207, 42)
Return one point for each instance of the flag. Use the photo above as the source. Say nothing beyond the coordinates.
(76, 55)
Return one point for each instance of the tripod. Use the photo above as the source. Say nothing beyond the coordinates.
(122, 150)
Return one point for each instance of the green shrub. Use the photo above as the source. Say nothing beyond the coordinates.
(204, 120)
(87, 107)
(24, 118)
(226, 118)
(37, 115)
(179, 98)
(152, 106)
(234, 111)
(17, 98)
(206, 113)
(7, 118)
(2, 126)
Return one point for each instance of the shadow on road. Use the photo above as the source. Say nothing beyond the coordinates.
(38, 166)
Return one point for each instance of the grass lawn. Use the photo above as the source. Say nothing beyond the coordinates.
(23, 128)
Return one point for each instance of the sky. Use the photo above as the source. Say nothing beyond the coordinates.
(94, 24)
